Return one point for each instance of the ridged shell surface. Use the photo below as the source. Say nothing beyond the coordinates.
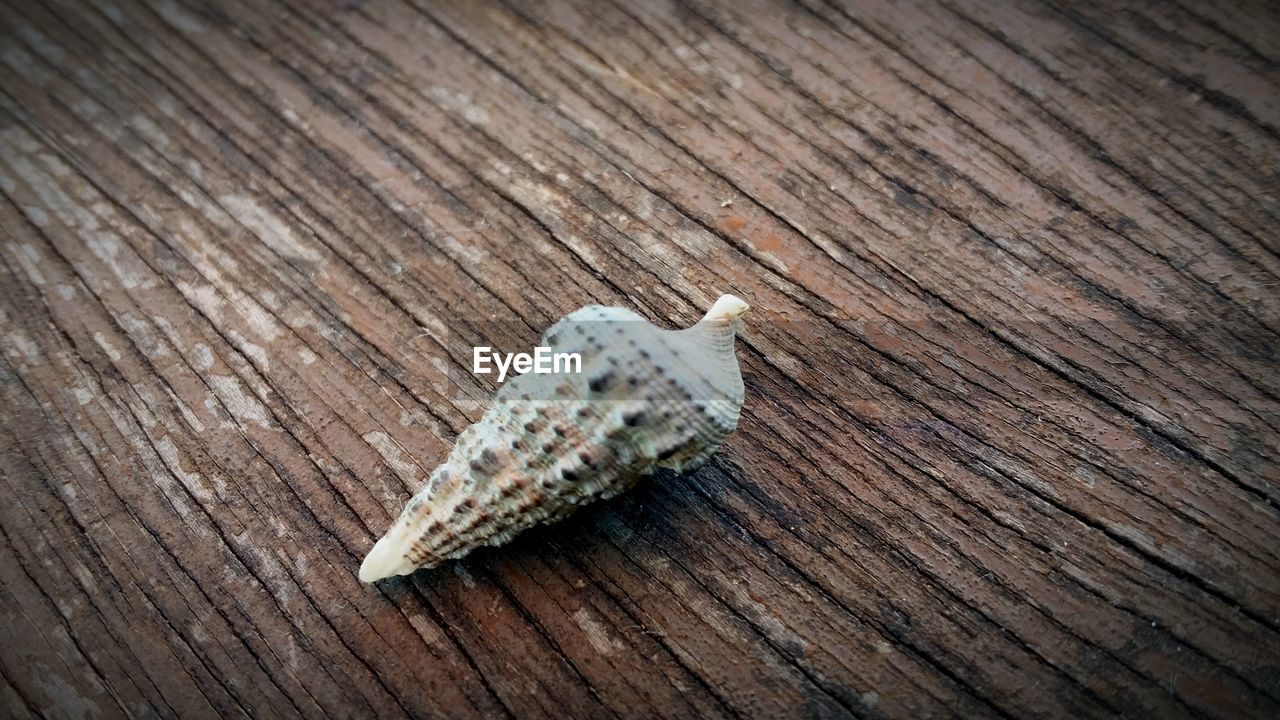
(550, 443)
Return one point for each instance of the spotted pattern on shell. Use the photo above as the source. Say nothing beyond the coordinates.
(645, 398)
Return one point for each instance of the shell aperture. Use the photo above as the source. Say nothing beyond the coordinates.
(549, 443)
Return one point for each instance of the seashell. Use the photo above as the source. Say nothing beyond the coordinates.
(550, 443)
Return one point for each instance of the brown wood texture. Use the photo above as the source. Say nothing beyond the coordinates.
(1010, 440)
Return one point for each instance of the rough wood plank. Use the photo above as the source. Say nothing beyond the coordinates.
(1010, 444)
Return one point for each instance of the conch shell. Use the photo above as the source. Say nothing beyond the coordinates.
(645, 398)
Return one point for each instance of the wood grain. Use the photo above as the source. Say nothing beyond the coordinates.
(1010, 441)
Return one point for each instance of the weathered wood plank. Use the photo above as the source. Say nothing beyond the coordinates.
(1010, 441)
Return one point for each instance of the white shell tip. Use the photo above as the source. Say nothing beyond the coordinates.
(727, 307)
(383, 561)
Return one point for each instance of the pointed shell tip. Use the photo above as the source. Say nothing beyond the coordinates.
(379, 563)
(727, 307)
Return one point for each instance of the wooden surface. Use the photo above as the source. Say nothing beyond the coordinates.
(1010, 440)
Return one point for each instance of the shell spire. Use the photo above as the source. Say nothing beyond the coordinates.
(642, 398)
(727, 308)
